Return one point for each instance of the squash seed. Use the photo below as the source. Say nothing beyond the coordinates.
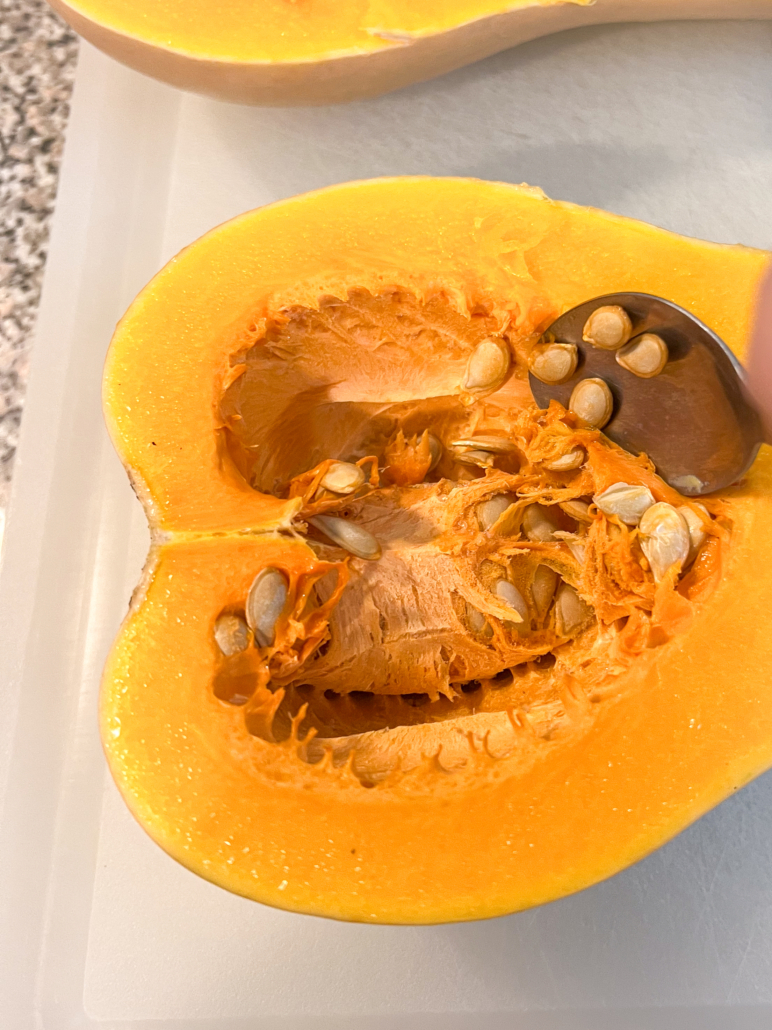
(554, 362)
(608, 327)
(696, 527)
(511, 596)
(645, 356)
(342, 477)
(435, 450)
(232, 634)
(477, 621)
(572, 612)
(576, 544)
(543, 587)
(579, 510)
(487, 367)
(572, 459)
(494, 444)
(592, 401)
(265, 603)
(665, 538)
(625, 500)
(348, 535)
(577, 547)
(482, 459)
(688, 485)
(489, 511)
(538, 523)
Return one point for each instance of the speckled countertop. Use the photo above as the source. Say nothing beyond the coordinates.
(37, 64)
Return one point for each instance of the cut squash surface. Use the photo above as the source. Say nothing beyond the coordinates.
(278, 30)
(407, 648)
(320, 51)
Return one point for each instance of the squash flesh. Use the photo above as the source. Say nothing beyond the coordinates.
(275, 30)
(543, 815)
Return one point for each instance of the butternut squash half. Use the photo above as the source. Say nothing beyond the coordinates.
(376, 671)
(326, 51)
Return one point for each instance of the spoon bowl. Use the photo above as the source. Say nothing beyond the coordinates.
(693, 419)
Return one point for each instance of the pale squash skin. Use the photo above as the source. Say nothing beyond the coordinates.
(690, 722)
(320, 52)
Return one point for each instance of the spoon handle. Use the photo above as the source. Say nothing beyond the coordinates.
(758, 377)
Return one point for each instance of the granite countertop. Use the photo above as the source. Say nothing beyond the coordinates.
(37, 64)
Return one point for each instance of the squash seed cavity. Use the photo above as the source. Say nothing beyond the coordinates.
(488, 555)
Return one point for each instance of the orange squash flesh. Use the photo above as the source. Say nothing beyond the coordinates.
(322, 51)
(492, 832)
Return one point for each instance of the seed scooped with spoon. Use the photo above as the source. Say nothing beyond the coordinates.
(675, 390)
(608, 327)
(645, 356)
(591, 400)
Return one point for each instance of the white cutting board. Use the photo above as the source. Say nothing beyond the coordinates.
(99, 928)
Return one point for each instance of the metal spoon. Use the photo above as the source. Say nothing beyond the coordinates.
(693, 419)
